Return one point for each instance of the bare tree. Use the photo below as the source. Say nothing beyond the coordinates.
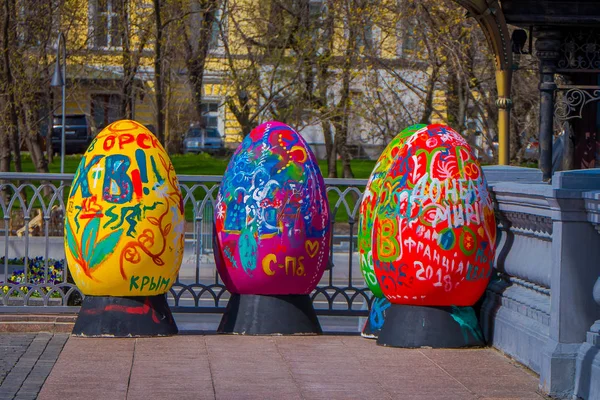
(29, 30)
(9, 39)
(198, 30)
(159, 80)
(264, 79)
(135, 30)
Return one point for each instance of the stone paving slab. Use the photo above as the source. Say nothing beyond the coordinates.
(278, 367)
(12, 347)
(26, 361)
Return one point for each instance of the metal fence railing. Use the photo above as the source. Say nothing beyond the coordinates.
(34, 277)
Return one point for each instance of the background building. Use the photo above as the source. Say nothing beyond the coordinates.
(348, 74)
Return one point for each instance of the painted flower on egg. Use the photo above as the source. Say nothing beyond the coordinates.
(434, 230)
(272, 216)
(124, 223)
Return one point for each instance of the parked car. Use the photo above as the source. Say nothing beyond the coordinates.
(78, 133)
(199, 140)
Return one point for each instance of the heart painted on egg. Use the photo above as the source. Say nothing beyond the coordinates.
(312, 248)
(298, 154)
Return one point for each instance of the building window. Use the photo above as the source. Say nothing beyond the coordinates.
(210, 114)
(364, 36)
(406, 38)
(214, 31)
(106, 108)
(107, 27)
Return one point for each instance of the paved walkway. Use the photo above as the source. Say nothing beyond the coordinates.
(25, 362)
(292, 367)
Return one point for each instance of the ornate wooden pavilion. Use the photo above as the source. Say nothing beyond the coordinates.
(567, 45)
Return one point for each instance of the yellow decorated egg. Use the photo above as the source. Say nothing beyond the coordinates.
(124, 227)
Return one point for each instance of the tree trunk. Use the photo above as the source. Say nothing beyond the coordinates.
(128, 69)
(340, 120)
(330, 151)
(5, 155)
(321, 102)
(33, 141)
(463, 103)
(158, 77)
(452, 98)
(242, 114)
(130, 61)
(173, 141)
(13, 123)
(126, 99)
(341, 146)
(196, 76)
(428, 102)
(322, 64)
(47, 97)
(197, 54)
(14, 127)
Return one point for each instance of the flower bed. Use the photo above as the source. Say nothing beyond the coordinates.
(36, 276)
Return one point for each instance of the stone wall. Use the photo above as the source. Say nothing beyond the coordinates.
(540, 309)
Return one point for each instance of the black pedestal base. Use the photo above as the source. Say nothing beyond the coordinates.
(102, 316)
(376, 318)
(250, 314)
(437, 327)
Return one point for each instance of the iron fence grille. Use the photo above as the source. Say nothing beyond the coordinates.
(33, 279)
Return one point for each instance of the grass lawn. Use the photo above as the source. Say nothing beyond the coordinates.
(198, 164)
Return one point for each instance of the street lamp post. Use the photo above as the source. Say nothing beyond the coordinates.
(60, 79)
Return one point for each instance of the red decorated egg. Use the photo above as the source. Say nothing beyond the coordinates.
(272, 216)
(434, 230)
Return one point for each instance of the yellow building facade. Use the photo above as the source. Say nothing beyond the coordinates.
(95, 66)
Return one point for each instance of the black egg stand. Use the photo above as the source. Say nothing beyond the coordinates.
(425, 326)
(408, 326)
(254, 314)
(112, 316)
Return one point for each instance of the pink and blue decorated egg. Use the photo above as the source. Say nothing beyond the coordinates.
(434, 229)
(272, 216)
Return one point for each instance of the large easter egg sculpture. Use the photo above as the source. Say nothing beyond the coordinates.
(124, 233)
(272, 220)
(434, 230)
